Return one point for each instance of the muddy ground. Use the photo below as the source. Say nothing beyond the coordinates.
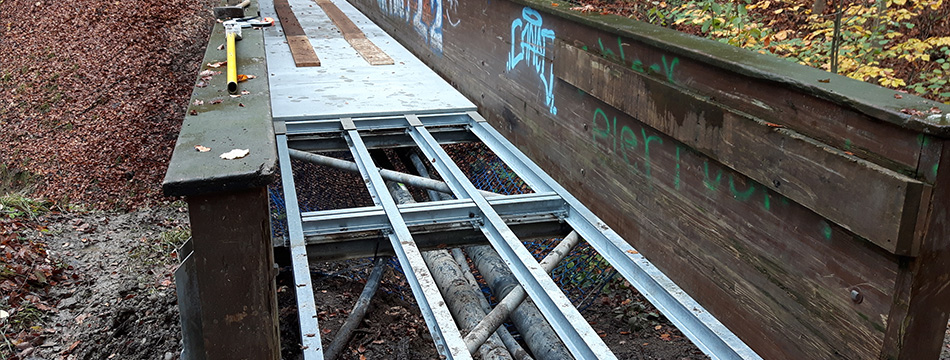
(119, 301)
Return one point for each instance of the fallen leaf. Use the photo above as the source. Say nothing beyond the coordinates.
(216, 102)
(849, 153)
(585, 8)
(221, 47)
(774, 125)
(935, 110)
(898, 96)
(633, 251)
(362, 357)
(665, 336)
(81, 318)
(781, 35)
(912, 112)
(555, 4)
(235, 154)
(326, 331)
(241, 104)
(4, 314)
(624, 333)
(242, 78)
(245, 92)
(201, 84)
(235, 96)
(310, 335)
(217, 64)
(658, 327)
(824, 80)
(380, 341)
(208, 73)
(193, 112)
(202, 148)
(72, 347)
(199, 102)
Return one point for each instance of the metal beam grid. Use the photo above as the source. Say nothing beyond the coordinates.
(489, 216)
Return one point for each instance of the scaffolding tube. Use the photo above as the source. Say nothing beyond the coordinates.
(462, 301)
(535, 330)
(517, 295)
(386, 174)
(514, 348)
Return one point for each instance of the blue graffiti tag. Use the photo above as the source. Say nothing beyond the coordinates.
(425, 17)
(530, 45)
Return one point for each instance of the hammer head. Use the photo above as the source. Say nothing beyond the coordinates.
(231, 11)
(228, 12)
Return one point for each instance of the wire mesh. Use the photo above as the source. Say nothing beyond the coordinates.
(581, 275)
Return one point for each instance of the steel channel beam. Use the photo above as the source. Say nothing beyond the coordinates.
(306, 307)
(710, 335)
(448, 339)
(448, 135)
(574, 330)
(373, 123)
(429, 213)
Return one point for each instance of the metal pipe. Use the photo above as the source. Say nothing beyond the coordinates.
(390, 175)
(497, 316)
(359, 311)
(460, 298)
(516, 350)
(232, 61)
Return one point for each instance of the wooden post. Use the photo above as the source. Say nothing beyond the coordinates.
(234, 289)
(226, 289)
(918, 317)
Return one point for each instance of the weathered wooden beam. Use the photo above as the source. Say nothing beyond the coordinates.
(353, 35)
(802, 169)
(300, 47)
(919, 314)
(234, 276)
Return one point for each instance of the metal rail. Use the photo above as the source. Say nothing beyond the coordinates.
(351, 117)
(489, 215)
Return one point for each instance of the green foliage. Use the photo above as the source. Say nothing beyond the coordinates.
(637, 315)
(874, 42)
(17, 205)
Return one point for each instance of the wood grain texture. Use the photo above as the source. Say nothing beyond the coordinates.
(300, 47)
(922, 308)
(353, 35)
(775, 272)
(302, 51)
(802, 169)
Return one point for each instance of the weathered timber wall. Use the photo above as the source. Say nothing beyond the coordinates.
(767, 190)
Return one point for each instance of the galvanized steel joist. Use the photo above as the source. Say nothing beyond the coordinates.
(488, 214)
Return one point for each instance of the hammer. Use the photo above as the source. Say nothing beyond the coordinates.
(231, 11)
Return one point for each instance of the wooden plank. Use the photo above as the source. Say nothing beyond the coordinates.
(300, 47)
(813, 174)
(918, 318)
(302, 51)
(353, 35)
(776, 273)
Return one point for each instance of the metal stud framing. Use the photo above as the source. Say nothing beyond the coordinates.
(488, 215)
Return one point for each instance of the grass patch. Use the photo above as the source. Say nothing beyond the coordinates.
(17, 205)
(164, 250)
